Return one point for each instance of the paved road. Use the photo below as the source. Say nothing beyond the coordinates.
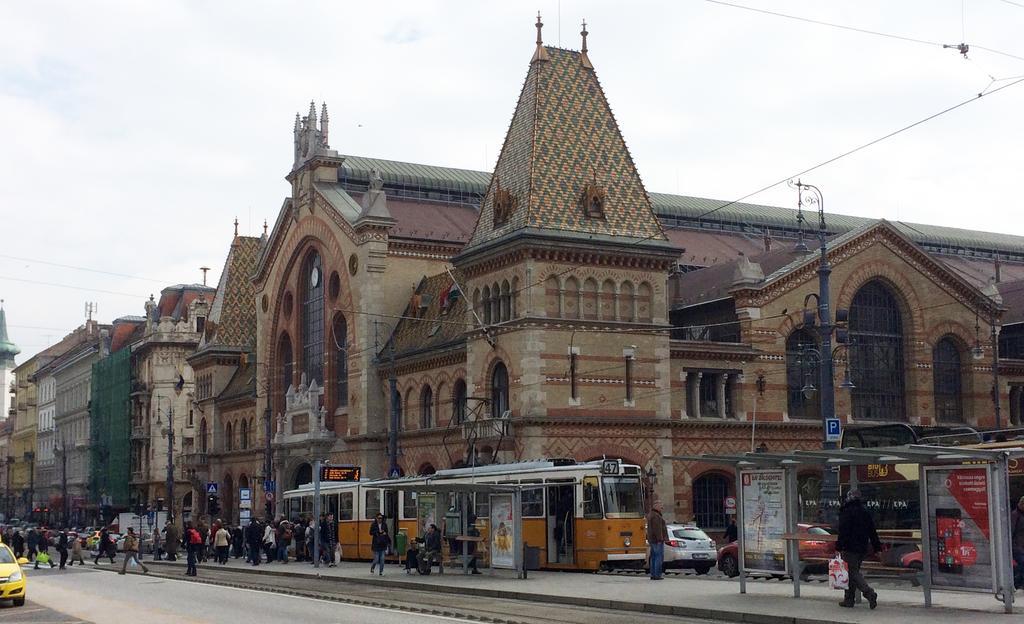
(33, 613)
(166, 598)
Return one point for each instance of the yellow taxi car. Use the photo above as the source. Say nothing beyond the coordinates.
(12, 578)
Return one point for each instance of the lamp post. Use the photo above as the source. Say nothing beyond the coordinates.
(30, 457)
(393, 470)
(170, 454)
(9, 507)
(825, 327)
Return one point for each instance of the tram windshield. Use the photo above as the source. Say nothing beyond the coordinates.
(623, 496)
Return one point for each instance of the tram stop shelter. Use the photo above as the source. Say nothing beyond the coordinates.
(964, 511)
(504, 506)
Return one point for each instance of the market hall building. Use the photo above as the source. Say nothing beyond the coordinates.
(556, 308)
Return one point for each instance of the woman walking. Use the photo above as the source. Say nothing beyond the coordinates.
(380, 540)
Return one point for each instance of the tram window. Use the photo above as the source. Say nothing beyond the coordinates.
(409, 505)
(329, 504)
(591, 498)
(623, 496)
(345, 506)
(372, 506)
(533, 502)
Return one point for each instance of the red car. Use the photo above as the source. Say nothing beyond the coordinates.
(819, 551)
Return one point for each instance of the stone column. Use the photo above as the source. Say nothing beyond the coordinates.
(694, 385)
(720, 381)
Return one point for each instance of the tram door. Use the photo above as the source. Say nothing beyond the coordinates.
(391, 498)
(560, 523)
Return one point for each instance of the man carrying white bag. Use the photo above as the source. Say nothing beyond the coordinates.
(856, 536)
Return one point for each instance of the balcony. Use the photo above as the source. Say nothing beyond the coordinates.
(194, 460)
(487, 428)
(139, 433)
(138, 476)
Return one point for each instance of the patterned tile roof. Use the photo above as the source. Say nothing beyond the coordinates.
(232, 320)
(241, 384)
(563, 137)
(433, 326)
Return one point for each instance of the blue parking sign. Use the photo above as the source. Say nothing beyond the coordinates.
(833, 430)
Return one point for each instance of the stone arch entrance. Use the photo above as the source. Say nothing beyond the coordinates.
(227, 499)
(303, 475)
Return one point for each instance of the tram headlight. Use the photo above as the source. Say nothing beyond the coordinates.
(628, 542)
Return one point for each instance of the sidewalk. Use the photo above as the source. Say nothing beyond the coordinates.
(766, 602)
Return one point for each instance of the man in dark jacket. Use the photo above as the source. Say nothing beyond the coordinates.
(1017, 542)
(62, 548)
(856, 534)
(657, 535)
(254, 537)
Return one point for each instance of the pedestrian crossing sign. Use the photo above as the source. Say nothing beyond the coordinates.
(211, 488)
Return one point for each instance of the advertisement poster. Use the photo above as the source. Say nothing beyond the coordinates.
(763, 496)
(502, 526)
(426, 513)
(960, 528)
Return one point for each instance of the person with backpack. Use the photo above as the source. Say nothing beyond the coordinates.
(131, 552)
(193, 542)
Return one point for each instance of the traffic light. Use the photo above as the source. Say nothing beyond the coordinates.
(212, 504)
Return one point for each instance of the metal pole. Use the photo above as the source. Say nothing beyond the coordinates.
(995, 373)
(64, 480)
(268, 458)
(926, 530)
(316, 513)
(393, 432)
(739, 534)
(518, 547)
(170, 458)
(792, 545)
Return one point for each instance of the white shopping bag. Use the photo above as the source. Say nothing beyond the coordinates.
(838, 573)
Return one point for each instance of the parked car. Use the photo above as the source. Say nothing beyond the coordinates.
(689, 547)
(814, 552)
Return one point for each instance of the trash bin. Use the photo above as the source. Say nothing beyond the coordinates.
(531, 557)
(401, 542)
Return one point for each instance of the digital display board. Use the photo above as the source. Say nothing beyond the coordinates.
(340, 473)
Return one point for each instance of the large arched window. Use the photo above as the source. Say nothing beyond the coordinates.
(313, 319)
(286, 359)
(339, 332)
(243, 442)
(459, 402)
(426, 408)
(709, 492)
(948, 386)
(397, 398)
(801, 369)
(499, 390)
(876, 357)
(229, 438)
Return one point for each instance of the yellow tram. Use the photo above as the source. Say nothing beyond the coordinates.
(578, 516)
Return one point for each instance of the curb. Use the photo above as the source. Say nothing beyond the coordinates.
(596, 603)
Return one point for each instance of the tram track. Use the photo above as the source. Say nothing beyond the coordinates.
(432, 603)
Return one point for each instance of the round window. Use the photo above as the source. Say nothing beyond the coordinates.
(353, 264)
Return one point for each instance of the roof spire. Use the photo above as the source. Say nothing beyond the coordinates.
(540, 54)
(584, 59)
(236, 226)
(7, 348)
(264, 227)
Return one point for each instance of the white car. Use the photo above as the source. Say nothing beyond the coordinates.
(690, 547)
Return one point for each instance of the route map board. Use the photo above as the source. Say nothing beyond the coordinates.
(763, 496)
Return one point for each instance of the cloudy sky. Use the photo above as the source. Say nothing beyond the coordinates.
(133, 133)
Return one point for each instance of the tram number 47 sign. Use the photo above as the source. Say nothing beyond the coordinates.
(833, 430)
